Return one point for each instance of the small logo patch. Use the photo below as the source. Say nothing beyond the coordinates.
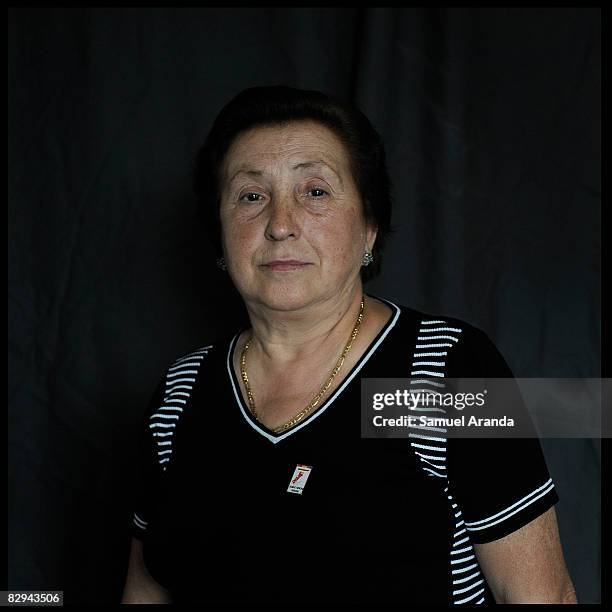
(299, 478)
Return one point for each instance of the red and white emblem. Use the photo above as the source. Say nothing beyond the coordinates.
(299, 478)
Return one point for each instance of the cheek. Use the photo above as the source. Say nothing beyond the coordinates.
(339, 242)
(240, 239)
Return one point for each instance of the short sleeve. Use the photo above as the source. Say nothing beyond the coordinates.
(148, 471)
(499, 484)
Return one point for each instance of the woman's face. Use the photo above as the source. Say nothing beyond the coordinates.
(288, 193)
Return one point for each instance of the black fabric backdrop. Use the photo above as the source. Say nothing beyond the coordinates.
(492, 123)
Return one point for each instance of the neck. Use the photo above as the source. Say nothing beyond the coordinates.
(281, 338)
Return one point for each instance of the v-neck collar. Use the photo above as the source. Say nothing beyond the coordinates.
(277, 437)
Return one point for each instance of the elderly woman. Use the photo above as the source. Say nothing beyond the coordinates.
(257, 485)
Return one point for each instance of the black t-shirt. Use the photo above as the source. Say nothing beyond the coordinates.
(378, 520)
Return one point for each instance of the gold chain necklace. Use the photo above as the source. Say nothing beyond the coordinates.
(300, 415)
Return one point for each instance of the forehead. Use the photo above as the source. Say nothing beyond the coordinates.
(269, 144)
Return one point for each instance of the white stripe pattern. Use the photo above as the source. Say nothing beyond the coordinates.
(139, 522)
(189, 364)
(464, 589)
(513, 509)
(163, 421)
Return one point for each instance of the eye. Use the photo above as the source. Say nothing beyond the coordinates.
(317, 189)
(250, 194)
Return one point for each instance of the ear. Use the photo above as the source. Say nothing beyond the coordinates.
(371, 234)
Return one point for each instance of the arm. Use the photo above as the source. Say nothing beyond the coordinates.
(527, 566)
(140, 586)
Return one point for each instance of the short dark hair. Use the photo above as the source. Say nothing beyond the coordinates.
(279, 105)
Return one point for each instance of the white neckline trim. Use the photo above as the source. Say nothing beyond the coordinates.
(274, 439)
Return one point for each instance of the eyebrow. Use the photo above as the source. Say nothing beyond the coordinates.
(308, 164)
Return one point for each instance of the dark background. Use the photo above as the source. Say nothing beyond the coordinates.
(492, 123)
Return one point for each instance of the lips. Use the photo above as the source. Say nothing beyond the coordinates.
(287, 262)
(286, 265)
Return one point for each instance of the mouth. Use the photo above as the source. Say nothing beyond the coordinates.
(283, 266)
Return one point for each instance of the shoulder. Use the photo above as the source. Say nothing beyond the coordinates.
(468, 350)
(210, 351)
(472, 352)
(443, 324)
(193, 358)
(171, 403)
(202, 364)
(181, 373)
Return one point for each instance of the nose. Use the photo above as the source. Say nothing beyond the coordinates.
(282, 221)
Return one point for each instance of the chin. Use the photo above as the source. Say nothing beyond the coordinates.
(286, 297)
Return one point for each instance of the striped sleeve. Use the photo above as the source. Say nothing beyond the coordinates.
(500, 484)
(148, 470)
